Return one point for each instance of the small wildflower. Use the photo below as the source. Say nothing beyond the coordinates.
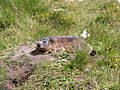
(85, 34)
(32, 16)
(112, 69)
(74, 0)
(28, 38)
(68, 63)
(64, 60)
(68, 75)
(70, 0)
(80, 0)
(36, 13)
(115, 65)
(16, 8)
(16, 14)
(118, 1)
(61, 21)
(117, 7)
(31, 26)
(57, 10)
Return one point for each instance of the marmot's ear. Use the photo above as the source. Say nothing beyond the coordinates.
(51, 40)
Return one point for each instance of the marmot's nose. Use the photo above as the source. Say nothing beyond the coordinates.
(38, 45)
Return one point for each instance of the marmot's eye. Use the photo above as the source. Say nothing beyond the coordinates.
(44, 41)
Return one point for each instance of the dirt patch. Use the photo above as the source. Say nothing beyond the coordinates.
(21, 64)
(17, 77)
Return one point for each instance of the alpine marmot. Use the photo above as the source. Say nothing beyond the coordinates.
(57, 44)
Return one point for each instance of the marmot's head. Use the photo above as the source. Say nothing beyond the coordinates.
(43, 44)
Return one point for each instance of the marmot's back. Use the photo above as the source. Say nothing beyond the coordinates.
(68, 44)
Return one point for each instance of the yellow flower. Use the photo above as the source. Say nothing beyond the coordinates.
(116, 65)
(36, 12)
(32, 16)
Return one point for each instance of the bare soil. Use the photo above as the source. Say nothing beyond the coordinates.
(27, 56)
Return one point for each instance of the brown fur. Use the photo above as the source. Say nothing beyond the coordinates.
(59, 44)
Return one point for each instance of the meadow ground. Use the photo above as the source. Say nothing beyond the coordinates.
(23, 21)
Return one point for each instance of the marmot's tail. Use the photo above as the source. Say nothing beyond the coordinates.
(93, 53)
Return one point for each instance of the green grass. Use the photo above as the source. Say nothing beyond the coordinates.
(61, 78)
(36, 19)
(3, 76)
(53, 75)
(79, 62)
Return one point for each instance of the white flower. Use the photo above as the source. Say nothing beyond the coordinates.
(57, 10)
(74, 0)
(64, 60)
(70, 0)
(118, 1)
(28, 38)
(80, 0)
(85, 34)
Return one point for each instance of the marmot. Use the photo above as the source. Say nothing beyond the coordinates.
(57, 44)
